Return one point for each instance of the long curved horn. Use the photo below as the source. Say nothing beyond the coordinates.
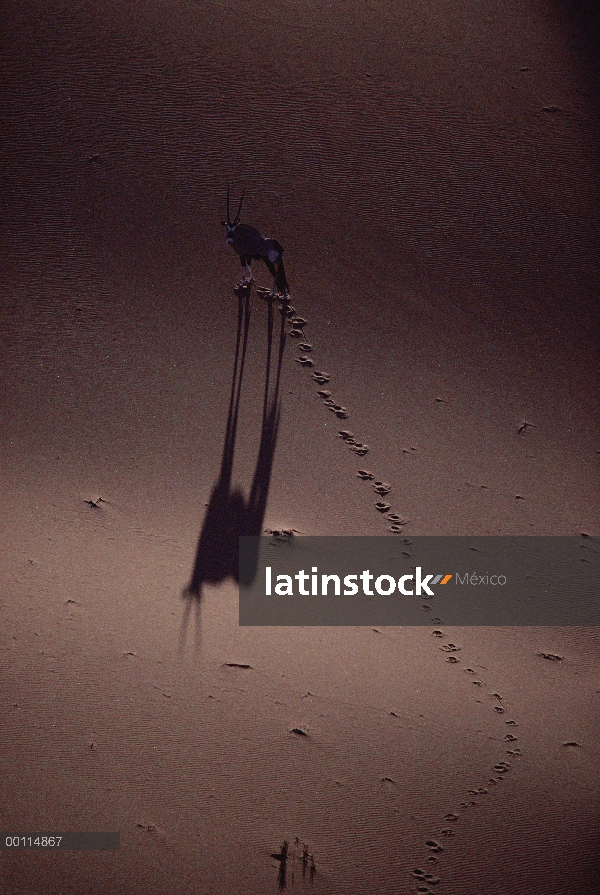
(228, 215)
(239, 211)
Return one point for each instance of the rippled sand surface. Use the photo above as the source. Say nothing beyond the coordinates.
(432, 171)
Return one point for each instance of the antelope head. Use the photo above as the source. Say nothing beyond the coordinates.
(231, 225)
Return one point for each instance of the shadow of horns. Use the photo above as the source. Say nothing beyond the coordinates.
(230, 514)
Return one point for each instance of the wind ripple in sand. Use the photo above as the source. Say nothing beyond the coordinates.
(415, 141)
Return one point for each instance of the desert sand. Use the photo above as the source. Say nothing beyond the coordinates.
(432, 172)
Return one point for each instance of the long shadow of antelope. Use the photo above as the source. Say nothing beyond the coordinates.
(229, 514)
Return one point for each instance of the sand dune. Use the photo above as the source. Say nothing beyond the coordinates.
(432, 174)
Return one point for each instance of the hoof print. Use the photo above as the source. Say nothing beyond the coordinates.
(321, 378)
(451, 817)
(552, 657)
(502, 767)
(305, 346)
(382, 507)
(361, 450)
(382, 488)
(437, 633)
(499, 710)
(342, 414)
(305, 361)
(510, 738)
(343, 433)
(323, 393)
(365, 475)
(295, 333)
(453, 660)
(285, 535)
(395, 529)
(450, 648)
(298, 321)
(299, 732)
(435, 847)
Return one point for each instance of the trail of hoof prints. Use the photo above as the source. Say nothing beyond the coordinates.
(426, 879)
(306, 359)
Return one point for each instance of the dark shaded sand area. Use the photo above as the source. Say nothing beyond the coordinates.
(432, 171)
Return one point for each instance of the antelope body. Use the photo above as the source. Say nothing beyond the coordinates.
(251, 245)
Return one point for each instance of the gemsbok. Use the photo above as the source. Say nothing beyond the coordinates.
(251, 245)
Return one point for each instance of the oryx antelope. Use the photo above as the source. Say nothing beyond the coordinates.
(249, 244)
